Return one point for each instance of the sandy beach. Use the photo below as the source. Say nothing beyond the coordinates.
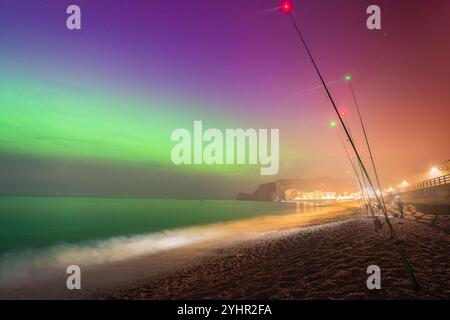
(318, 253)
(317, 261)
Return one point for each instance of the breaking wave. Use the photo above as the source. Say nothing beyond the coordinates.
(29, 263)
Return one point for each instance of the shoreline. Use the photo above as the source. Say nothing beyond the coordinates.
(321, 254)
(131, 271)
(326, 261)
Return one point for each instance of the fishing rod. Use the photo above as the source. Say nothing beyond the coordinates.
(363, 195)
(378, 224)
(365, 185)
(287, 9)
(335, 107)
(348, 78)
(362, 203)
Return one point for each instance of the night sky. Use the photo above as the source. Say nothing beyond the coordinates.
(91, 111)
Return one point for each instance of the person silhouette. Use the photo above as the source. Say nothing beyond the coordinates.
(400, 206)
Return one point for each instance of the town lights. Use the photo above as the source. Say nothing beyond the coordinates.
(286, 6)
(404, 184)
(435, 172)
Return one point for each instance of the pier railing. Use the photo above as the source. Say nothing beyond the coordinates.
(430, 183)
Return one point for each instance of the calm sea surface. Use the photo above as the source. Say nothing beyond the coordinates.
(35, 222)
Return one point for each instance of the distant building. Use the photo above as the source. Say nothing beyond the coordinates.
(445, 167)
(329, 195)
(291, 194)
(311, 195)
(316, 195)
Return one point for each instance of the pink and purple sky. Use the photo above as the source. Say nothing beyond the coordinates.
(90, 111)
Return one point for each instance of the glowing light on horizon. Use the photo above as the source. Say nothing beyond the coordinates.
(404, 184)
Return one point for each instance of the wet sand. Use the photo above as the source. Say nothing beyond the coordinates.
(326, 261)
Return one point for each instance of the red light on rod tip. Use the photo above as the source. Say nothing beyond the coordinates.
(286, 6)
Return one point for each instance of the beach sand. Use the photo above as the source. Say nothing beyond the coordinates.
(325, 261)
(320, 253)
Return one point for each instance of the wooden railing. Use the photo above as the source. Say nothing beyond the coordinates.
(439, 181)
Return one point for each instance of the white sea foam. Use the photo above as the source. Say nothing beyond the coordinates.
(20, 266)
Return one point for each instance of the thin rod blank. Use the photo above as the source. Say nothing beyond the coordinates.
(354, 170)
(388, 222)
(367, 143)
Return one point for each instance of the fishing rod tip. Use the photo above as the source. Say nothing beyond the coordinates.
(286, 6)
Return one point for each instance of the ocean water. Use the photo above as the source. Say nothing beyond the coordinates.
(36, 222)
(41, 236)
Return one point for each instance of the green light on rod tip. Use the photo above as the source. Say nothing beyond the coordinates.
(333, 123)
(348, 77)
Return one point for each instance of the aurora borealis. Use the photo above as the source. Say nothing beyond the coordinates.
(91, 111)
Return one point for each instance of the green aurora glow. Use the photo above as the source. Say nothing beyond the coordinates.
(44, 120)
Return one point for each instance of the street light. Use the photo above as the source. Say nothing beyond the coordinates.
(435, 172)
(404, 184)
